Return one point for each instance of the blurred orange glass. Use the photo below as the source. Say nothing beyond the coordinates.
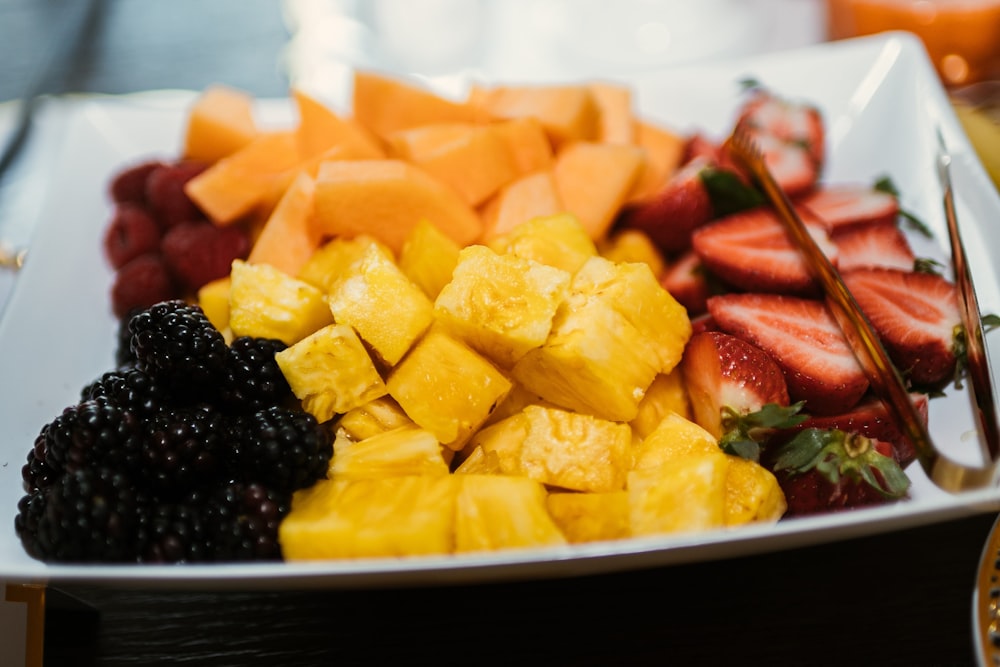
(962, 37)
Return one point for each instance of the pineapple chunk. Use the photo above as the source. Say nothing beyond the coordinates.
(331, 372)
(403, 451)
(674, 437)
(500, 305)
(499, 512)
(632, 245)
(333, 258)
(267, 303)
(688, 495)
(396, 516)
(447, 388)
(667, 394)
(388, 311)
(554, 240)
(591, 517)
(752, 494)
(480, 462)
(213, 297)
(428, 257)
(376, 416)
(560, 449)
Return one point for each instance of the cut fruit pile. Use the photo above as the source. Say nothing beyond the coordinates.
(535, 318)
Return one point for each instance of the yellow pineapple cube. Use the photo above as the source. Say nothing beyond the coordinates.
(213, 297)
(376, 416)
(428, 257)
(500, 305)
(667, 394)
(752, 494)
(591, 517)
(632, 245)
(447, 388)
(688, 495)
(560, 449)
(500, 512)
(264, 302)
(673, 438)
(554, 240)
(330, 371)
(334, 257)
(387, 310)
(393, 516)
(478, 461)
(403, 451)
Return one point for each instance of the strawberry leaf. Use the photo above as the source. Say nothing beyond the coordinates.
(728, 193)
(886, 185)
(743, 434)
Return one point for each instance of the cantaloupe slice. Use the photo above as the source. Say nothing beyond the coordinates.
(614, 102)
(320, 128)
(385, 105)
(418, 143)
(529, 145)
(528, 197)
(664, 152)
(567, 112)
(219, 123)
(252, 178)
(288, 239)
(593, 180)
(386, 199)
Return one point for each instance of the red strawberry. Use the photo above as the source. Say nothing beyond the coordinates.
(804, 339)
(916, 316)
(669, 216)
(139, 284)
(830, 470)
(786, 120)
(727, 377)
(843, 206)
(752, 252)
(686, 281)
(200, 252)
(166, 196)
(873, 245)
(131, 232)
(129, 184)
(791, 164)
(870, 418)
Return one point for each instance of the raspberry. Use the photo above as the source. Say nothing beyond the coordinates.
(129, 184)
(166, 196)
(132, 232)
(200, 252)
(142, 282)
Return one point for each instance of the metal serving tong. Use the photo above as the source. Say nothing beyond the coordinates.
(885, 380)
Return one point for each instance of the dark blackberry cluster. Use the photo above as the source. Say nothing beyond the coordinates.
(189, 451)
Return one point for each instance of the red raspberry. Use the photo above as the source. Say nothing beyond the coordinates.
(129, 184)
(141, 283)
(166, 196)
(132, 232)
(200, 252)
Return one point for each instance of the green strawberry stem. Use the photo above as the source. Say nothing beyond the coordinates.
(744, 434)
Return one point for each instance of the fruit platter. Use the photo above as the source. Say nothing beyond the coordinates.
(549, 459)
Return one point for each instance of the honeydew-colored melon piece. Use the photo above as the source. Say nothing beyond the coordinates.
(593, 180)
(219, 123)
(386, 199)
(288, 239)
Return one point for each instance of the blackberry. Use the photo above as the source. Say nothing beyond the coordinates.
(183, 449)
(87, 515)
(124, 356)
(175, 342)
(283, 448)
(175, 532)
(244, 519)
(132, 389)
(92, 432)
(36, 473)
(253, 380)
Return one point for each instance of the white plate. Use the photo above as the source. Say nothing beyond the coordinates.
(881, 102)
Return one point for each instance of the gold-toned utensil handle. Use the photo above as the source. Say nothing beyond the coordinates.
(883, 376)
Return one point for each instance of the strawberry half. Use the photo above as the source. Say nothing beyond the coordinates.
(687, 282)
(873, 245)
(752, 252)
(786, 120)
(791, 164)
(847, 205)
(805, 341)
(727, 377)
(830, 470)
(917, 318)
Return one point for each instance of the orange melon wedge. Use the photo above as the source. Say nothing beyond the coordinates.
(385, 105)
(219, 123)
(593, 180)
(288, 239)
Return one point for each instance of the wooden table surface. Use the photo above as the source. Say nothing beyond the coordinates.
(902, 598)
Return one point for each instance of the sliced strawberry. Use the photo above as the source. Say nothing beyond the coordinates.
(726, 375)
(846, 205)
(791, 164)
(916, 316)
(872, 419)
(751, 251)
(830, 470)
(669, 216)
(786, 120)
(687, 282)
(873, 245)
(804, 339)
(200, 252)
(131, 232)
